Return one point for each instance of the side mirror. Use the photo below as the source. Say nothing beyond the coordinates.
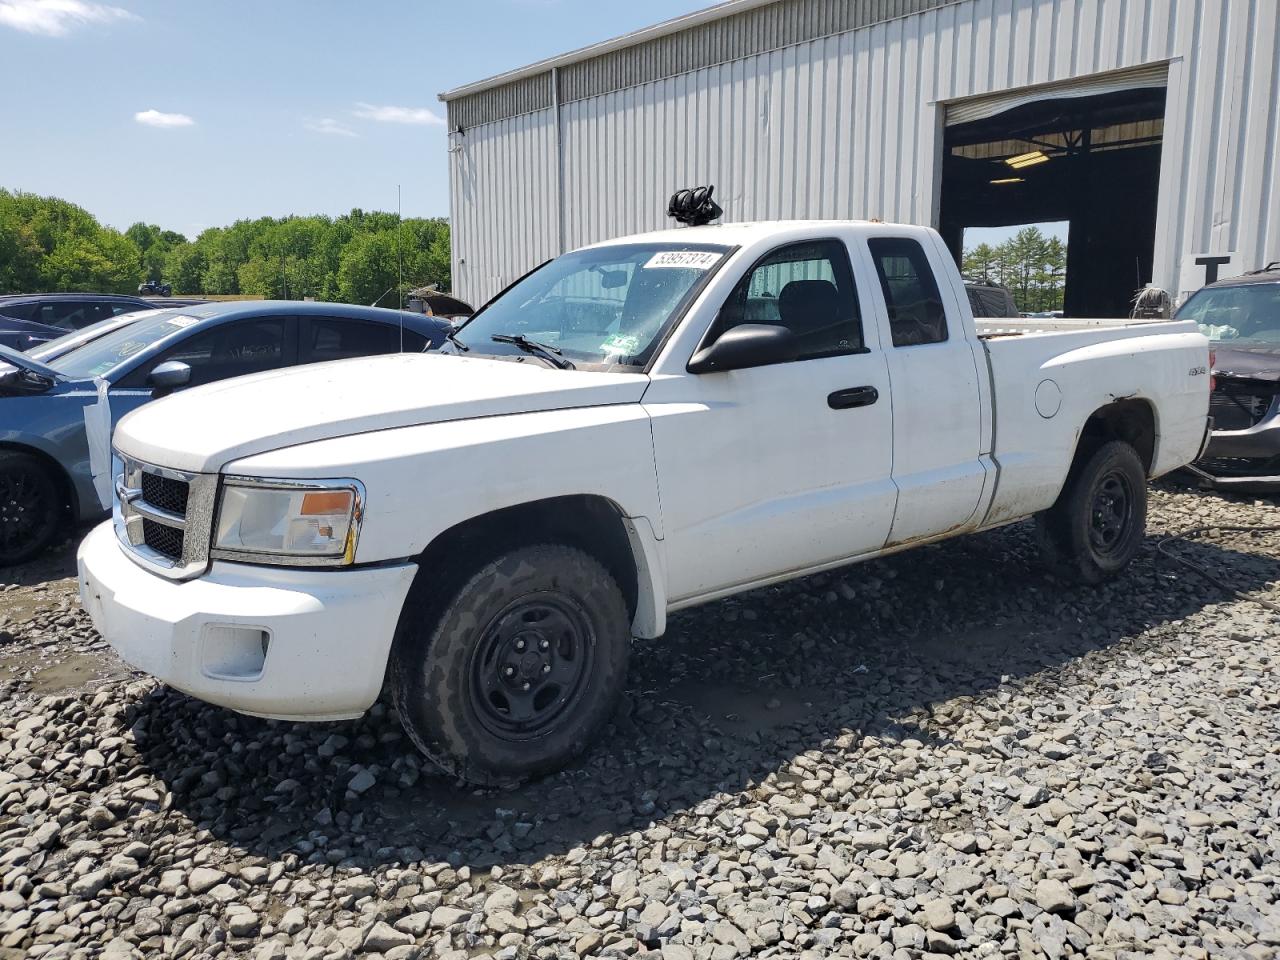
(167, 377)
(743, 346)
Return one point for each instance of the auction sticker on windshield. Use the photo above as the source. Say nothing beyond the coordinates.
(684, 260)
(182, 322)
(621, 343)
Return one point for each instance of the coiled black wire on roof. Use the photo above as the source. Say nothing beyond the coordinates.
(694, 207)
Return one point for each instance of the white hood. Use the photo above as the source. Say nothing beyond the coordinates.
(204, 428)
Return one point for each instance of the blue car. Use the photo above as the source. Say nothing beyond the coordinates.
(46, 475)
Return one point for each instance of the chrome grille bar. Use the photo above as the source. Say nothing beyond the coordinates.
(131, 513)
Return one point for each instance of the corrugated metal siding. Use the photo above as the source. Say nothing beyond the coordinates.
(849, 125)
(503, 201)
(735, 37)
(527, 95)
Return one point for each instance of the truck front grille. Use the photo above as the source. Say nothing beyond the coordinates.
(163, 517)
(166, 493)
(165, 541)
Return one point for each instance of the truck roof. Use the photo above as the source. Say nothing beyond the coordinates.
(741, 234)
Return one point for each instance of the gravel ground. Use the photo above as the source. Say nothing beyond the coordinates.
(943, 753)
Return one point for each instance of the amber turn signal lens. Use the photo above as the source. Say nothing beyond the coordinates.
(327, 504)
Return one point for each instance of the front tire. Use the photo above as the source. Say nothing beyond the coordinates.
(1096, 526)
(513, 675)
(30, 507)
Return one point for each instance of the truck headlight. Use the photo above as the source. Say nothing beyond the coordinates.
(314, 522)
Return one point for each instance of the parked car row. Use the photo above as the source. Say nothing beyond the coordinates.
(106, 369)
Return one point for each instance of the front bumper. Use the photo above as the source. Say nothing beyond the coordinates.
(290, 644)
(1225, 462)
(1259, 442)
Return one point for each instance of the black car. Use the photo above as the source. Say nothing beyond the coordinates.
(154, 288)
(66, 312)
(1241, 318)
(988, 299)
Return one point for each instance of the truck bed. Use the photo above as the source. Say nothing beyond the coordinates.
(1047, 375)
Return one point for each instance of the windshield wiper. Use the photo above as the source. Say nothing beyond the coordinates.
(453, 338)
(553, 355)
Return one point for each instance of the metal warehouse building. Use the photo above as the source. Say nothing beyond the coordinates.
(1151, 125)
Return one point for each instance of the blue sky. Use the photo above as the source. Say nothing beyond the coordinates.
(194, 113)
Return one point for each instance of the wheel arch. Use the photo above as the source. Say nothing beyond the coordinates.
(1132, 419)
(590, 522)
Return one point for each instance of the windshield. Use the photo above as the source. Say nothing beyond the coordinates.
(69, 341)
(111, 349)
(607, 306)
(1247, 312)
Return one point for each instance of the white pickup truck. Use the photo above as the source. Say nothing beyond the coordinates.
(632, 428)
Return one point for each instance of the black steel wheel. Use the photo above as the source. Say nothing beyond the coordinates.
(531, 664)
(30, 507)
(1111, 513)
(513, 673)
(1097, 524)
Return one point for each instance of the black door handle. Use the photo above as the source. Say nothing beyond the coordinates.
(853, 397)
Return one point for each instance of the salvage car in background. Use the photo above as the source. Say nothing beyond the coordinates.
(46, 474)
(1241, 318)
(27, 320)
(989, 300)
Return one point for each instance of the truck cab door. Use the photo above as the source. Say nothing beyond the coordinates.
(784, 466)
(938, 462)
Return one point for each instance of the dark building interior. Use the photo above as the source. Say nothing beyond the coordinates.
(1094, 161)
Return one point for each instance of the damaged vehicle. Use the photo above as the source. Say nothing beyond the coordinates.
(631, 429)
(1241, 318)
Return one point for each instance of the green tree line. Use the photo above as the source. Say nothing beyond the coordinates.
(47, 244)
(1031, 265)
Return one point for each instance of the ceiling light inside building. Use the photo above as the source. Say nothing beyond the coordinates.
(1009, 180)
(1027, 159)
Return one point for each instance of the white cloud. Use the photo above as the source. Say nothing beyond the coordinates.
(154, 118)
(330, 126)
(56, 18)
(419, 116)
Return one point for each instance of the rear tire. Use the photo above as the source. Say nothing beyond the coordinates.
(513, 674)
(1096, 526)
(30, 507)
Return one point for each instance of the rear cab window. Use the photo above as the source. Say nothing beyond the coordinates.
(911, 296)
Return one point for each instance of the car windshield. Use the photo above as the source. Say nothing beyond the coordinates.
(1250, 311)
(604, 308)
(69, 341)
(111, 349)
